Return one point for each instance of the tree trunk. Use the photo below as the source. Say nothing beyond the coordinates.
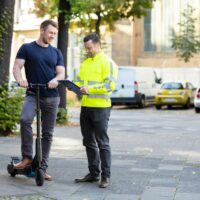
(6, 32)
(97, 24)
(63, 43)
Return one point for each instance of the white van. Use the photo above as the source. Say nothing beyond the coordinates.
(135, 86)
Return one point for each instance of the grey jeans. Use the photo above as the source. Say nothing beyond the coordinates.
(49, 108)
(94, 125)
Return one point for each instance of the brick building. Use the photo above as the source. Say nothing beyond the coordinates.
(147, 41)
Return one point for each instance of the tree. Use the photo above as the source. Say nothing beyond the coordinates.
(10, 100)
(6, 30)
(63, 43)
(186, 43)
(105, 11)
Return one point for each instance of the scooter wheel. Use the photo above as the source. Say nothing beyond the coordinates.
(13, 173)
(39, 177)
(11, 170)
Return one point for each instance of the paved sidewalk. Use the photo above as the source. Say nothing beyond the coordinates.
(145, 165)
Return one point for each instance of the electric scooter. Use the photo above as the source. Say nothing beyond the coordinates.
(33, 170)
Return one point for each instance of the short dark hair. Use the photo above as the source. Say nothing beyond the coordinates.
(48, 22)
(93, 36)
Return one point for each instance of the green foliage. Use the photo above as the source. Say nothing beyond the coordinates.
(107, 12)
(41, 8)
(89, 15)
(4, 23)
(62, 117)
(186, 43)
(10, 108)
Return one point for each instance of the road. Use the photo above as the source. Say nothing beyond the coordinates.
(155, 156)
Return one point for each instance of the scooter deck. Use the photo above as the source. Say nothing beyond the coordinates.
(29, 171)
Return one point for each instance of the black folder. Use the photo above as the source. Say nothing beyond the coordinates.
(71, 86)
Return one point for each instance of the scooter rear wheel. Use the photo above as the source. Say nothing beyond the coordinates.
(11, 170)
(39, 177)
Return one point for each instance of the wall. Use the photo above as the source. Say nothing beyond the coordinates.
(121, 43)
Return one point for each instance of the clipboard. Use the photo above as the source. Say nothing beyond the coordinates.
(71, 86)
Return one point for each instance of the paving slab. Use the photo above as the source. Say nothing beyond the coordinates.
(155, 156)
(187, 196)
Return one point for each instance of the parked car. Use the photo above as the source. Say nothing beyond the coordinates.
(175, 93)
(135, 86)
(197, 101)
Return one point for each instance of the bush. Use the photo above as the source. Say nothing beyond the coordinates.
(62, 117)
(10, 108)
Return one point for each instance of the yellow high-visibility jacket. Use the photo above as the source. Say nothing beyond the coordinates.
(99, 74)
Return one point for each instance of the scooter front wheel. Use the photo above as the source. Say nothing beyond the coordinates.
(39, 177)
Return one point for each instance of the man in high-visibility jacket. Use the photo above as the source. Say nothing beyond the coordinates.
(97, 79)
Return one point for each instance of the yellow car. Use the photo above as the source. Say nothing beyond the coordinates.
(175, 93)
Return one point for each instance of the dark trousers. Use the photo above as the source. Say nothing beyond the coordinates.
(94, 125)
(49, 107)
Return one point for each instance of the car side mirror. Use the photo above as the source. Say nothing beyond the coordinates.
(159, 80)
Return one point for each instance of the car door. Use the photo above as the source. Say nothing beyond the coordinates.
(125, 84)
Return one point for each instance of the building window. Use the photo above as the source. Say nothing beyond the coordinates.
(148, 40)
(161, 22)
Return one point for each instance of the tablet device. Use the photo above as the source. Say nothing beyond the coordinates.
(71, 86)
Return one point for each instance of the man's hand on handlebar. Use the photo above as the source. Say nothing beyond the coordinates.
(23, 83)
(53, 84)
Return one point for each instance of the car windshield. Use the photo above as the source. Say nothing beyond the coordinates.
(172, 86)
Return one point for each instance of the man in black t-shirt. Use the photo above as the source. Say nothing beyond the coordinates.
(43, 64)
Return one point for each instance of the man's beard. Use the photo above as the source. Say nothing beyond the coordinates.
(45, 41)
(90, 55)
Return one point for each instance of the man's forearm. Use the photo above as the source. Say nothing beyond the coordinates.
(17, 74)
(19, 63)
(60, 74)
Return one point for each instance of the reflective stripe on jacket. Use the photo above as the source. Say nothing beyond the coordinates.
(99, 74)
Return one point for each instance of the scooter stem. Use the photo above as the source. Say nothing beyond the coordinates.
(38, 139)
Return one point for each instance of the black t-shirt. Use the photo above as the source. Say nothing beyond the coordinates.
(40, 65)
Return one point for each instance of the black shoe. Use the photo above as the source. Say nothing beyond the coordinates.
(104, 183)
(87, 178)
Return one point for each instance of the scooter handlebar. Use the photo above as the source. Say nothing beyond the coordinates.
(30, 85)
(34, 85)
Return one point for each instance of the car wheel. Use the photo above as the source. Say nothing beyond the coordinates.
(169, 106)
(197, 110)
(158, 107)
(142, 103)
(187, 105)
